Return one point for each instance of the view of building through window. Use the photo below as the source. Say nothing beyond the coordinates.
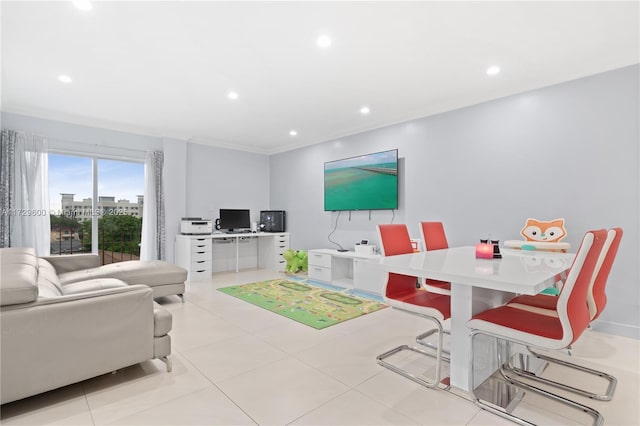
(117, 210)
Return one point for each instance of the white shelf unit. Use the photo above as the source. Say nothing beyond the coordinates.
(346, 269)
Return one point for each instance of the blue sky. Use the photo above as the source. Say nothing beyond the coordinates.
(72, 175)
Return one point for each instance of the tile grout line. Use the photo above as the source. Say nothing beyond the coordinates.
(86, 401)
(217, 387)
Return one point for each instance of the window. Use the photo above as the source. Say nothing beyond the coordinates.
(88, 217)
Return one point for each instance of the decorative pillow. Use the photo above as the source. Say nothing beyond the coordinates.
(548, 231)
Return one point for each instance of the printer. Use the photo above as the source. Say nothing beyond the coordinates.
(195, 226)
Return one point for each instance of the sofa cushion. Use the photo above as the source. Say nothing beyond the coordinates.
(18, 276)
(48, 281)
(148, 272)
(93, 285)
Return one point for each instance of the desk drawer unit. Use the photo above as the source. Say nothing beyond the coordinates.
(271, 249)
(280, 245)
(194, 255)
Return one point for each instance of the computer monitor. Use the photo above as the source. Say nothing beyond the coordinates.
(234, 219)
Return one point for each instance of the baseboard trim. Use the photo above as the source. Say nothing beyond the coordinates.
(617, 329)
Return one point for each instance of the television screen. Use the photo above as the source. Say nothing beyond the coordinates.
(234, 219)
(366, 182)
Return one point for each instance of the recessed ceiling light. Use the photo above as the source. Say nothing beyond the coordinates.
(493, 70)
(232, 95)
(65, 78)
(293, 133)
(83, 4)
(323, 41)
(365, 110)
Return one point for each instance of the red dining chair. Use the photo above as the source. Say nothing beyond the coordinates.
(542, 330)
(435, 239)
(401, 293)
(596, 302)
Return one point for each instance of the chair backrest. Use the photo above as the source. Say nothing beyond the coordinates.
(433, 236)
(572, 309)
(596, 297)
(394, 239)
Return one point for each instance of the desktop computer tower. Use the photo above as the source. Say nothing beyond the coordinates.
(272, 221)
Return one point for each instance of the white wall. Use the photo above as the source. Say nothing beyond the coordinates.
(570, 150)
(228, 179)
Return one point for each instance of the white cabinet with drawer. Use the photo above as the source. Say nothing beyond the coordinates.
(271, 248)
(319, 266)
(193, 253)
(330, 269)
(346, 269)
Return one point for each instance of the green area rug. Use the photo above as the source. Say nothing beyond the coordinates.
(316, 307)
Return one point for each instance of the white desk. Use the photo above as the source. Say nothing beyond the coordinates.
(201, 263)
(478, 284)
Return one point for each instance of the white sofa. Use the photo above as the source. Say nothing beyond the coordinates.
(55, 334)
(164, 278)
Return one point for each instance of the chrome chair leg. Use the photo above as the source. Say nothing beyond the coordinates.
(420, 340)
(438, 356)
(611, 387)
(598, 418)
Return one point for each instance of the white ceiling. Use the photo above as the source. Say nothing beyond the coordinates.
(165, 68)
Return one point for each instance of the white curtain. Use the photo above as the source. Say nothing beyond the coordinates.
(7, 186)
(31, 225)
(152, 245)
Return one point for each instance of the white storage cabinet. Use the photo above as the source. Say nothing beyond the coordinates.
(194, 254)
(346, 269)
(271, 251)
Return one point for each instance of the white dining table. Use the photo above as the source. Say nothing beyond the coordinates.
(477, 285)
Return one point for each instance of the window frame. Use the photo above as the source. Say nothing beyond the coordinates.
(95, 157)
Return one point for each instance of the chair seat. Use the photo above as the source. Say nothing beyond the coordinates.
(542, 301)
(438, 287)
(518, 324)
(422, 302)
(444, 285)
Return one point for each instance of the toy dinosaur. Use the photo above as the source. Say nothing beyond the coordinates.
(296, 261)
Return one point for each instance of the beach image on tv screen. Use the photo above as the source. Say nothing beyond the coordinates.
(367, 182)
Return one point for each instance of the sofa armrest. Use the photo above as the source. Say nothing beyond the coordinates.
(62, 340)
(73, 262)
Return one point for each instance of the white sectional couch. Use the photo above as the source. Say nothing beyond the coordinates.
(54, 333)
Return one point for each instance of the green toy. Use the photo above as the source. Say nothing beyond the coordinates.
(296, 261)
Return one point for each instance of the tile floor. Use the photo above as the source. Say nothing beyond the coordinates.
(237, 364)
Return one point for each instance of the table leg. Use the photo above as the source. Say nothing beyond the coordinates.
(237, 252)
(467, 301)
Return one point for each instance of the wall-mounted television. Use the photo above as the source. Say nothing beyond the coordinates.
(365, 182)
